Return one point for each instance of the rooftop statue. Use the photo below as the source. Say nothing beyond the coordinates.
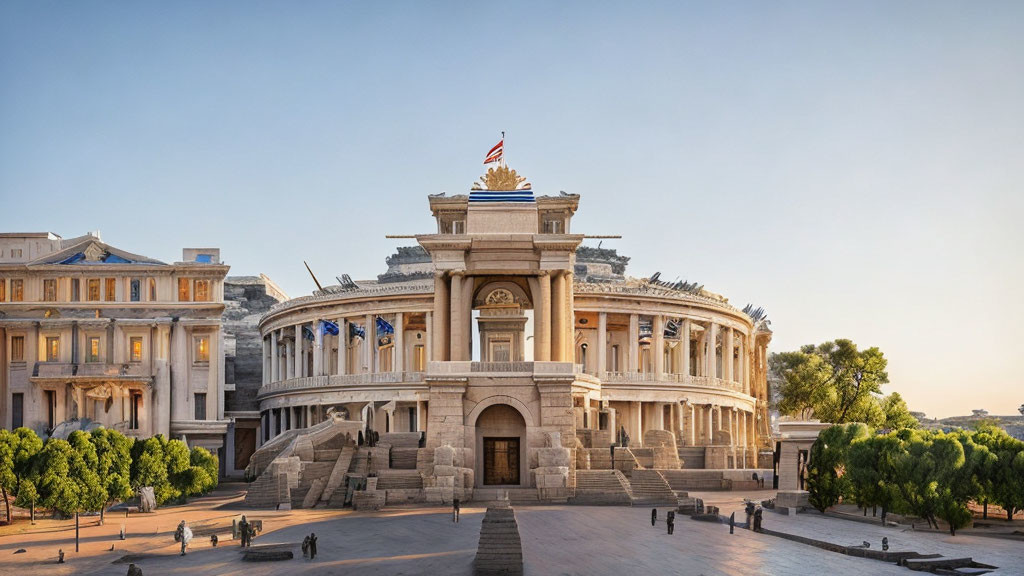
(501, 178)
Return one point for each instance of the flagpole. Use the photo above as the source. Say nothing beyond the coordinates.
(503, 164)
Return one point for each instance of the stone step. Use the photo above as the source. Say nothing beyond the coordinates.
(338, 472)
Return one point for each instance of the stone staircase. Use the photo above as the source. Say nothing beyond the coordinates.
(312, 475)
(399, 480)
(500, 551)
(338, 473)
(650, 487)
(602, 487)
(514, 495)
(687, 480)
(692, 457)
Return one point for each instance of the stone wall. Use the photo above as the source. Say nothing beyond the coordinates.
(246, 299)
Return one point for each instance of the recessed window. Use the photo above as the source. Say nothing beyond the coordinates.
(16, 252)
(52, 348)
(93, 294)
(49, 290)
(136, 290)
(76, 286)
(459, 227)
(200, 406)
(17, 290)
(17, 410)
(202, 349)
(110, 291)
(553, 226)
(3, 289)
(152, 289)
(184, 294)
(201, 290)
(17, 348)
(419, 358)
(92, 352)
(51, 409)
(133, 417)
(135, 345)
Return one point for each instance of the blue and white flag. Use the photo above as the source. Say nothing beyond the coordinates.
(308, 334)
(328, 327)
(383, 327)
(355, 330)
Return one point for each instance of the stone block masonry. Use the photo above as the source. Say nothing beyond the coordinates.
(500, 551)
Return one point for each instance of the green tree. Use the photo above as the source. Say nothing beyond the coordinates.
(17, 449)
(201, 459)
(93, 494)
(67, 483)
(827, 481)
(176, 458)
(1008, 471)
(897, 415)
(871, 469)
(835, 380)
(149, 468)
(113, 453)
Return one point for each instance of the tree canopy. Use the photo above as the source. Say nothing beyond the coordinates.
(838, 383)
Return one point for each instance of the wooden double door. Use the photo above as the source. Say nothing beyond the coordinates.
(501, 461)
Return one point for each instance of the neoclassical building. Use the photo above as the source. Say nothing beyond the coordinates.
(500, 336)
(94, 334)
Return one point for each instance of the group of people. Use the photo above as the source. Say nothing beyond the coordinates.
(756, 513)
(246, 531)
(309, 546)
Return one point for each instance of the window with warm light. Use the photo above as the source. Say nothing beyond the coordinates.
(93, 293)
(152, 289)
(92, 351)
(201, 290)
(184, 295)
(3, 289)
(17, 290)
(49, 290)
(202, 349)
(110, 291)
(53, 348)
(135, 346)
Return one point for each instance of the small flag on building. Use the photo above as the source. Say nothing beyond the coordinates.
(328, 327)
(496, 153)
(308, 334)
(356, 331)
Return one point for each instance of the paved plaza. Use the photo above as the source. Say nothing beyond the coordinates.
(556, 540)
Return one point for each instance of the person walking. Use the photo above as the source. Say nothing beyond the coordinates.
(670, 519)
(654, 516)
(456, 508)
(312, 545)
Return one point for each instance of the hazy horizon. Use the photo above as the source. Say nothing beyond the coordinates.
(854, 169)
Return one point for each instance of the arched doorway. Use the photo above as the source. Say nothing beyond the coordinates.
(500, 446)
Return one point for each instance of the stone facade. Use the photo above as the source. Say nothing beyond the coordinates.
(94, 335)
(568, 356)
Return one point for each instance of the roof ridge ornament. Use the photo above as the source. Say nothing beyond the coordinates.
(502, 179)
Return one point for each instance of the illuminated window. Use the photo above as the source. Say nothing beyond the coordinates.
(93, 294)
(17, 290)
(49, 290)
(92, 352)
(136, 348)
(183, 290)
(75, 289)
(152, 289)
(3, 289)
(17, 348)
(419, 358)
(202, 349)
(52, 348)
(110, 292)
(201, 290)
(136, 290)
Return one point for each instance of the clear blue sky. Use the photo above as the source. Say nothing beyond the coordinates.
(854, 168)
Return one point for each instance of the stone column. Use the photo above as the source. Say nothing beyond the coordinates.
(342, 346)
(266, 360)
(300, 353)
(602, 344)
(439, 340)
(659, 416)
(684, 343)
(727, 356)
(712, 355)
(638, 424)
(318, 349)
(399, 363)
(658, 345)
(289, 358)
(632, 363)
(458, 339)
(369, 343)
(429, 345)
(709, 432)
(542, 320)
(558, 327)
(693, 424)
(275, 358)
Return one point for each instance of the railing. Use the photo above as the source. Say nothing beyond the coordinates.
(700, 381)
(89, 369)
(341, 380)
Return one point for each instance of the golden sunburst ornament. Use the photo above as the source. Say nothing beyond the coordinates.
(501, 178)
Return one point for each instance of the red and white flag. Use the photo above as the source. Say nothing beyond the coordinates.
(496, 153)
